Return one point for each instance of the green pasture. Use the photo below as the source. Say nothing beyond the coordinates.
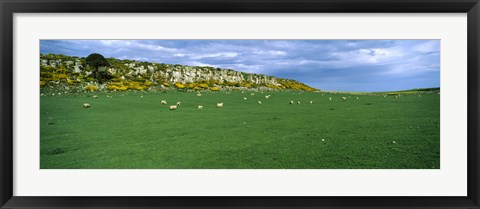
(132, 130)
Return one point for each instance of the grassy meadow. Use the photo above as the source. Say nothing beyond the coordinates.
(132, 130)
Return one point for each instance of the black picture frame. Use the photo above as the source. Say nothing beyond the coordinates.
(9, 7)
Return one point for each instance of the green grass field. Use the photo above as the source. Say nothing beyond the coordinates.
(131, 131)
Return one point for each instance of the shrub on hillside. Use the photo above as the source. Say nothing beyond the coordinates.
(179, 85)
(91, 88)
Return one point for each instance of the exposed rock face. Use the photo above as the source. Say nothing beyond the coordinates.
(159, 74)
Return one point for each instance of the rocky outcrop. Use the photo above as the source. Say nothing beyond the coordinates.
(74, 71)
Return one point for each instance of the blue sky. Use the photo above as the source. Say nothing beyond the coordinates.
(342, 65)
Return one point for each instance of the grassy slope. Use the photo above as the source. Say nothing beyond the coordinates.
(128, 131)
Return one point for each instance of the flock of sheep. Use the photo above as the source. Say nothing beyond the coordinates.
(220, 104)
(200, 107)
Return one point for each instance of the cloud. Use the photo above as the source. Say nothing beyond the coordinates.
(271, 52)
(223, 54)
(428, 46)
(179, 55)
(196, 63)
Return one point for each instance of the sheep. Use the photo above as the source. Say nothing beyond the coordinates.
(259, 102)
(163, 102)
(220, 105)
(252, 94)
(244, 98)
(291, 102)
(95, 96)
(200, 107)
(311, 102)
(86, 105)
(298, 102)
(330, 98)
(178, 103)
(357, 97)
(268, 96)
(198, 94)
(173, 107)
(344, 98)
(419, 95)
(141, 96)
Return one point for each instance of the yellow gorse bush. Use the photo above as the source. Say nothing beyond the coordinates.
(91, 88)
(203, 85)
(132, 85)
(179, 85)
(71, 82)
(117, 86)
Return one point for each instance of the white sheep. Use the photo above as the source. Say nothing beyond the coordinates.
(95, 96)
(357, 97)
(252, 94)
(173, 107)
(311, 102)
(220, 105)
(178, 103)
(291, 102)
(244, 98)
(330, 98)
(298, 102)
(199, 94)
(259, 102)
(86, 105)
(163, 102)
(344, 98)
(200, 107)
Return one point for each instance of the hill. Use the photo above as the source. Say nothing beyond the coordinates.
(415, 91)
(71, 74)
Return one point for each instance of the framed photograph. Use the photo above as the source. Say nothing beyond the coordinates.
(239, 104)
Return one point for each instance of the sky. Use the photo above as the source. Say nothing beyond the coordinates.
(336, 65)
